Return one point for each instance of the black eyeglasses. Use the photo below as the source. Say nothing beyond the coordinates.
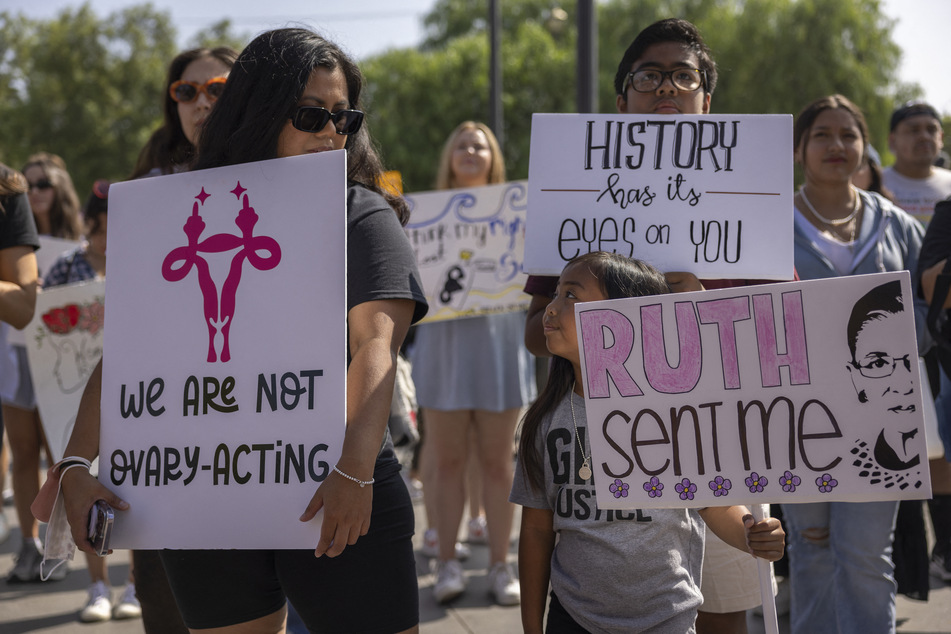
(650, 79)
(43, 184)
(882, 366)
(314, 118)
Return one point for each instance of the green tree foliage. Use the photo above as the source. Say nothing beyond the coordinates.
(221, 33)
(86, 88)
(774, 57)
(416, 98)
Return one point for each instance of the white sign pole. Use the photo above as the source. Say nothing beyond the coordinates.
(770, 618)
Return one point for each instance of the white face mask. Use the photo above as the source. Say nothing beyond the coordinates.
(49, 505)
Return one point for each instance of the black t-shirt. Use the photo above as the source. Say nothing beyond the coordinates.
(17, 227)
(380, 265)
(380, 261)
(936, 245)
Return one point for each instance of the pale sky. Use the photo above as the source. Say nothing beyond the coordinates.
(365, 27)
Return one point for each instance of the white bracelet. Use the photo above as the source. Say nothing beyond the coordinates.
(362, 483)
(63, 470)
(69, 462)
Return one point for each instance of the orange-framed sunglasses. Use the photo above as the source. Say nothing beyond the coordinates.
(187, 91)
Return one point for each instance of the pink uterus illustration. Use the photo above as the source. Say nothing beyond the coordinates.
(219, 311)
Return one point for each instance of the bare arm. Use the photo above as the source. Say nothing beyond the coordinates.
(536, 543)
(80, 489)
(377, 330)
(534, 331)
(929, 278)
(681, 282)
(18, 283)
(735, 526)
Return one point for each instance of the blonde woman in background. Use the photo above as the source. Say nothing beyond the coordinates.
(472, 378)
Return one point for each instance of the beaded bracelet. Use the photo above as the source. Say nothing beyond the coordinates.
(362, 483)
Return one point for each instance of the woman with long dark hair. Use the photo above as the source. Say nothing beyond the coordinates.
(292, 92)
(840, 553)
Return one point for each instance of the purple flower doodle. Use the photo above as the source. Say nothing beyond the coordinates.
(654, 488)
(826, 483)
(619, 489)
(756, 482)
(686, 489)
(790, 482)
(720, 486)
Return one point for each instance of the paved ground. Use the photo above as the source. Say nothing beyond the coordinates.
(53, 607)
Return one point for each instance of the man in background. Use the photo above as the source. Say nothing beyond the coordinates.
(916, 139)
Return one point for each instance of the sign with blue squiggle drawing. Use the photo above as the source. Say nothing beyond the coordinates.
(224, 364)
(469, 245)
(780, 393)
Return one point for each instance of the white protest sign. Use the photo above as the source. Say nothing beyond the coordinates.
(782, 393)
(50, 250)
(708, 194)
(64, 344)
(469, 245)
(224, 386)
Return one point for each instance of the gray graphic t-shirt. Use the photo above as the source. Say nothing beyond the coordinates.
(613, 571)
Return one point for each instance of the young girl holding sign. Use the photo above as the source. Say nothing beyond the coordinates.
(609, 571)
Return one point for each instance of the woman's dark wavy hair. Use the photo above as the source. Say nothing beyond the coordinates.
(620, 277)
(168, 147)
(263, 91)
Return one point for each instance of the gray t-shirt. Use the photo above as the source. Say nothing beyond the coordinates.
(613, 571)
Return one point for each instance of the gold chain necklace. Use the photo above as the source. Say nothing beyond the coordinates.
(585, 471)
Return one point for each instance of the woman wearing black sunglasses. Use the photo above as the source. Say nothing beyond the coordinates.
(195, 80)
(292, 92)
(55, 207)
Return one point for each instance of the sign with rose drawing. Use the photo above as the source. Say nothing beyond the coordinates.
(64, 344)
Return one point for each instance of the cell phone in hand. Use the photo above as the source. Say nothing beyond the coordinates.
(101, 517)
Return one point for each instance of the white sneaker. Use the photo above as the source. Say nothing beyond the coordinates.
(477, 533)
(99, 606)
(430, 547)
(450, 581)
(503, 586)
(128, 606)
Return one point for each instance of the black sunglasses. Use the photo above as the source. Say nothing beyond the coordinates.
(314, 118)
(43, 184)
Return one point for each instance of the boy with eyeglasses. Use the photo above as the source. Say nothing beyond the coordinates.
(668, 69)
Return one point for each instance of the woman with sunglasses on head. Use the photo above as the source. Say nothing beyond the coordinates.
(55, 208)
(196, 78)
(840, 553)
(292, 92)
